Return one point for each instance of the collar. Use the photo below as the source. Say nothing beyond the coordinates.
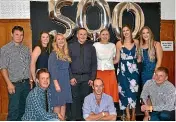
(13, 44)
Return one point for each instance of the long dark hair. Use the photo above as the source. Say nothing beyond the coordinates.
(39, 43)
(122, 36)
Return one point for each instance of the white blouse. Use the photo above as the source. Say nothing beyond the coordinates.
(105, 54)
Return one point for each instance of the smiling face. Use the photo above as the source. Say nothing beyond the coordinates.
(126, 32)
(44, 80)
(104, 36)
(161, 76)
(145, 34)
(60, 41)
(17, 36)
(82, 35)
(44, 39)
(98, 87)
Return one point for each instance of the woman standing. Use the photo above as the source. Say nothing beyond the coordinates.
(40, 55)
(151, 54)
(128, 75)
(106, 52)
(58, 66)
(151, 58)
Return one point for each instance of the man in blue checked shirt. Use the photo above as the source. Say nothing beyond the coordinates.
(99, 106)
(36, 102)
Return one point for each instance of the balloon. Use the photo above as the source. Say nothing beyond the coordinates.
(81, 15)
(118, 13)
(54, 8)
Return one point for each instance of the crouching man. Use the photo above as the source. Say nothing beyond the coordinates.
(36, 103)
(99, 106)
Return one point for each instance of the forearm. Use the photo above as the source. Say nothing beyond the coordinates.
(6, 76)
(94, 117)
(56, 83)
(33, 74)
(109, 118)
(158, 64)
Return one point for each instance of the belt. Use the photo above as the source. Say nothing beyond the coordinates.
(81, 73)
(21, 81)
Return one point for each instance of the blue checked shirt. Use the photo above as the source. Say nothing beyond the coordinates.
(35, 109)
(90, 105)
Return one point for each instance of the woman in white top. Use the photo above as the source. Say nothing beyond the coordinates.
(106, 52)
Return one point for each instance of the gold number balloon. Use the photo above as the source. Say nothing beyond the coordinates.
(81, 15)
(56, 15)
(118, 13)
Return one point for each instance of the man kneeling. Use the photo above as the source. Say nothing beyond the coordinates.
(162, 95)
(36, 102)
(98, 105)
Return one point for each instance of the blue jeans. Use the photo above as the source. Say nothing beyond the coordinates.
(161, 116)
(17, 101)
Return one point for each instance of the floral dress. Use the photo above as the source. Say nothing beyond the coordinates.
(128, 77)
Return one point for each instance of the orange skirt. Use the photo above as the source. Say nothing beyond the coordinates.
(110, 83)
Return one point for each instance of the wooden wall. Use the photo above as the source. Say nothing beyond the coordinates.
(167, 34)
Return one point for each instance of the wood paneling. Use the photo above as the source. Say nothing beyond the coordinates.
(168, 34)
(5, 36)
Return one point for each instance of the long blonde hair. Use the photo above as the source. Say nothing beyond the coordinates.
(62, 54)
(151, 46)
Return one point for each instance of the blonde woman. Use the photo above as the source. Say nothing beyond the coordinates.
(106, 52)
(151, 53)
(151, 57)
(58, 66)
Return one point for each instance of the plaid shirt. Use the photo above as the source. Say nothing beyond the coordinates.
(16, 59)
(162, 96)
(36, 106)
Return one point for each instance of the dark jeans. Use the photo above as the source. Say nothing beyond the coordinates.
(79, 92)
(162, 116)
(17, 101)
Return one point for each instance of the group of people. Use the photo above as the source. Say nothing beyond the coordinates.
(68, 74)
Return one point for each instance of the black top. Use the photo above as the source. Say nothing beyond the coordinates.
(84, 60)
(42, 61)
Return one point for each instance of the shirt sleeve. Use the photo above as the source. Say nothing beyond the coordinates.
(36, 103)
(94, 63)
(111, 108)
(52, 65)
(4, 60)
(86, 108)
(145, 92)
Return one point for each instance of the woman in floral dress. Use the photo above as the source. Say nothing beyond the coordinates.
(128, 75)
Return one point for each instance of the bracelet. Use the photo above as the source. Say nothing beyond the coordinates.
(103, 114)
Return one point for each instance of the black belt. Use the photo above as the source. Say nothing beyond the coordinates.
(81, 73)
(21, 81)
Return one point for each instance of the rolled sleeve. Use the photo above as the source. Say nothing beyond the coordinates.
(112, 109)
(86, 108)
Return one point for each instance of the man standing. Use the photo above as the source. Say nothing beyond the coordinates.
(162, 94)
(82, 71)
(36, 102)
(99, 106)
(15, 60)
